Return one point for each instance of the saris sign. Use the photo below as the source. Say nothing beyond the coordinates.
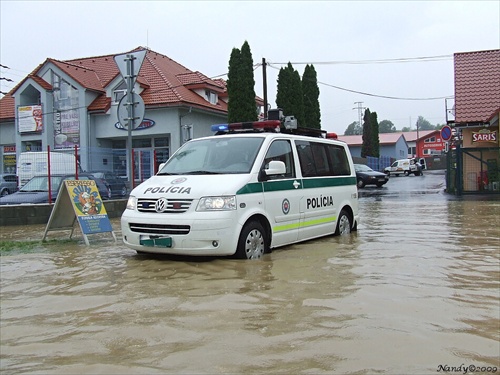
(485, 135)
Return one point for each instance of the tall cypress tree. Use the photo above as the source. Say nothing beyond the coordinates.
(375, 134)
(233, 86)
(248, 103)
(289, 93)
(310, 91)
(366, 148)
(241, 86)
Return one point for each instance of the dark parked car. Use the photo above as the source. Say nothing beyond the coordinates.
(367, 176)
(115, 183)
(8, 184)
(36, 190)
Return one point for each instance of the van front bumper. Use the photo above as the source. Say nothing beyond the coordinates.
(170, 235)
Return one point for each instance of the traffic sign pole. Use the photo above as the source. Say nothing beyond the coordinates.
(130, 110)
(129, 66)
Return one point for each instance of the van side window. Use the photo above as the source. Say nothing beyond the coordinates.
(321, 159)
(306, 158)
(281, 150)
(338, 158)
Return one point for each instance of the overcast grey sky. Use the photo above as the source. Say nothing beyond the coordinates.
(350, 43)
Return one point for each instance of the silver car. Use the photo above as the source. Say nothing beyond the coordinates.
(8, 184)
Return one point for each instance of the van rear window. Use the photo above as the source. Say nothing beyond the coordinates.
(322, 159)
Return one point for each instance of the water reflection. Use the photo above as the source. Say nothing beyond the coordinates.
(416, 287)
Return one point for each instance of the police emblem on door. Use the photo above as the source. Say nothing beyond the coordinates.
(285, 206)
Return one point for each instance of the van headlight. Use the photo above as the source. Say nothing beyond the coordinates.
(131, 203)
(224, 203)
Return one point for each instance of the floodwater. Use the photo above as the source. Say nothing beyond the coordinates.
(415, 291)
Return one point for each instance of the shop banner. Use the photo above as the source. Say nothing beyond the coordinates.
(66, 129)
(485, 135)
(30, 119)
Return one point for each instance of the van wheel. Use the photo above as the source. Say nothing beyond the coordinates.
(4, 193)
(343, 224)
(253, 241)
(407, 173)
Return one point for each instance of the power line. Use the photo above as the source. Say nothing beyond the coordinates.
(377, 95)
(384, 96)
(378, 61)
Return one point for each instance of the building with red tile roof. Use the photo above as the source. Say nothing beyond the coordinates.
(79, 99)
(477, 87)
(475, 143)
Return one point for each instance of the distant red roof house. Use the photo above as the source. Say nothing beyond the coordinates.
(477, 87)
(384, 138)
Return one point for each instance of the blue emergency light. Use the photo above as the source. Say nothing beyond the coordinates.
(220, 128)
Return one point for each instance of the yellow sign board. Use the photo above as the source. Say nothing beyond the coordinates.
(79, 199)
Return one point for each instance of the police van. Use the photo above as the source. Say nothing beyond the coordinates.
(248, 189)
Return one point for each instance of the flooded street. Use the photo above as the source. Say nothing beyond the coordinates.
(415, 291)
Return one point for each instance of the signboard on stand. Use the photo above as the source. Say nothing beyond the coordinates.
(79, 200)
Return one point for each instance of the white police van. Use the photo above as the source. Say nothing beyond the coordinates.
(249, 189)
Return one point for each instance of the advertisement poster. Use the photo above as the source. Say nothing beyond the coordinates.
(88, 206)
(66, 129)
(30, 118)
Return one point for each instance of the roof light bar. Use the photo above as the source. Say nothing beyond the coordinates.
(255, 125)
(332, 136)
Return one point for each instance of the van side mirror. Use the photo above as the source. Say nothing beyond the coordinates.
(275, 167)
(160, 167)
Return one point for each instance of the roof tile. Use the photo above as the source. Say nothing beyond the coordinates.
(477, 86)
(165, 82)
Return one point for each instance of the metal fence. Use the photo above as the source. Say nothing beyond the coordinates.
(75, 162)
(473, 170)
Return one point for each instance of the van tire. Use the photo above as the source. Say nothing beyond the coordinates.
(407, 173)
(253, 241)
(344, 224)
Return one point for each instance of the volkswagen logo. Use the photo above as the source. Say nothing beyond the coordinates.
(161, 205)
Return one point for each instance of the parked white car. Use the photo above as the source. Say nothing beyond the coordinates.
(405, 167)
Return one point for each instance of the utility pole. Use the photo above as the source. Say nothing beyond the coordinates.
(264, 85)
(360, 109)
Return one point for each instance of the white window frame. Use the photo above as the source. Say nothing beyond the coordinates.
(211, 96)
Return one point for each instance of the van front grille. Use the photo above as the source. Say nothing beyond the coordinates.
(159, 229)
(163, 205)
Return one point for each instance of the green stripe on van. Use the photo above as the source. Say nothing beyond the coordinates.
(283, 185)
(309, 223)
(312, 183)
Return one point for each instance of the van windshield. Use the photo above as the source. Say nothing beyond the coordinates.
(224, 155)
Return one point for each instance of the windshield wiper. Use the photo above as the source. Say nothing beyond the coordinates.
(202, 172)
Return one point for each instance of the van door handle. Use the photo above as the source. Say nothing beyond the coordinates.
(296, 184)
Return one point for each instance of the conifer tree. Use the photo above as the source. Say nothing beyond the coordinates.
(289, 93)
(366, 148)
(241, 86)
(375, 135)
(310, 91)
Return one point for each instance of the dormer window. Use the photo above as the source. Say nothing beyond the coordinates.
(119, 92)
(211, 96)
